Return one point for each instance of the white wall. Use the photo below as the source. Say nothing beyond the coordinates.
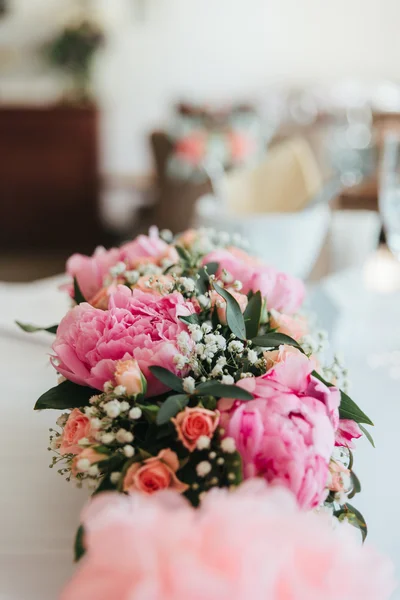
(225, 49)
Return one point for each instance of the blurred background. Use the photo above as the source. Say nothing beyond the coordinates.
(268, 117)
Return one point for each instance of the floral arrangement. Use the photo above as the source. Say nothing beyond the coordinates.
(185, 364)
(254, 543)
(204, 140)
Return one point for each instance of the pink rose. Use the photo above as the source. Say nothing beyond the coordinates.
(220, 303)
(76, 428)
(90, 271)
(147, 249)
(294, 326)
(154, 474)
(129, 375)
(192, 423)
(285, 434)
(283, 292)
(89, 341)
(89, 456)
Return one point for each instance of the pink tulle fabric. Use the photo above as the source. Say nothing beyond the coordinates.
(283, 292)
(287, 433)
(144, 326)
(251, 544)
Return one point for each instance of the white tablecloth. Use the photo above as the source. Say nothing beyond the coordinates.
(39, 511)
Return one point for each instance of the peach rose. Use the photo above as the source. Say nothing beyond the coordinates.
(294, 326)
(155, 284)
(154, 474)
(339, 478)
(77, 427)
(218, 302)
(129, 375)
(272, 357)
(100, 300)
(188, 237)
(192, 423)
(91, 455)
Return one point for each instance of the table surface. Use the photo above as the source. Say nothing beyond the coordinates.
(39, 510)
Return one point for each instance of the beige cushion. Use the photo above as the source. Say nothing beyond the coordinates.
(285, 181)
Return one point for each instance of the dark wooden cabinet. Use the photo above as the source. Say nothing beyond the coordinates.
(49, 179)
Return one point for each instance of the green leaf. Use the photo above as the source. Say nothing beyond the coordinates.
(356, 485)
(171, 407)
(348, 409)
(79, 548)
(204, 276)
(354, 517)
(167, 378)
(65, 395)
(367, 435)
(274, 340)
(252, 315)
(33, 328)
(233, 465)
(234, 316)
(149, 410)
(106, 485)
(78, 296)
(223, 390)
(191, 319)
(183, 254)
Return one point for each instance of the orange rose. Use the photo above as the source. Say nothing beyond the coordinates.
(192, 423)
(129, 375)
(154, 474)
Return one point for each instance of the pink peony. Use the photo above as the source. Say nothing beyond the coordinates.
(347, 430)
(90, 341)
(154, 474)
(147, 249)
(283, 292)
(90, 271)
(193, 423)
(77, 427)
(251, 544)
(286, 434)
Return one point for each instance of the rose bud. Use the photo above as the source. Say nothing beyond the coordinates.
(220, 304)
(129, 375)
